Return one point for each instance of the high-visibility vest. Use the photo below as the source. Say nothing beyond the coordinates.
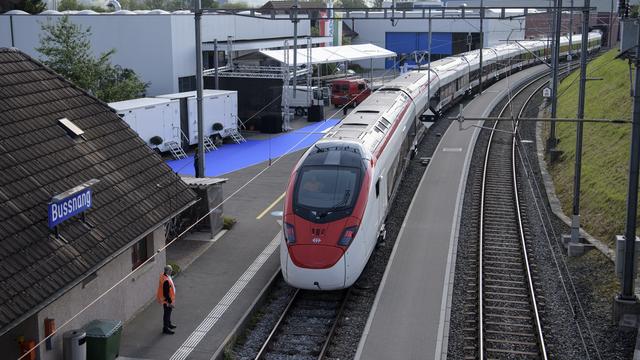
(160, 292)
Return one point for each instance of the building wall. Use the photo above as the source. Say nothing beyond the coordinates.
(602, 5)
(375, 31)
(119, 304)
(28, 329)
(159, 48)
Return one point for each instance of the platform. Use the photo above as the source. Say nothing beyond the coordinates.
(410, 315)
(224, 278)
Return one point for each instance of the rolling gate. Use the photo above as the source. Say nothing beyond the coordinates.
(442, 45)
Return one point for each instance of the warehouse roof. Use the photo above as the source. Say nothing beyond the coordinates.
(136, 192)
(332, 54)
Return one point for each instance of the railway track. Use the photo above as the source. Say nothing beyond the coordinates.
(306, 327)
(508, 316)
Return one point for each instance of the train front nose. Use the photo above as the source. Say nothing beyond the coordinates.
(315, 267)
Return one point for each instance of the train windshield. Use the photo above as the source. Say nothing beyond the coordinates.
(327, 192)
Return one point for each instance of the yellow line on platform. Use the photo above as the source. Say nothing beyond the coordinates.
(270, 207)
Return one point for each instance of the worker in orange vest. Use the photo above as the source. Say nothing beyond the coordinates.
(166, 295)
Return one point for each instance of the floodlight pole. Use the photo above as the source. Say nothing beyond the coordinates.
(200, 150)
(575, 219)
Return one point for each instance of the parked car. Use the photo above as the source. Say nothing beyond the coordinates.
(345, 90)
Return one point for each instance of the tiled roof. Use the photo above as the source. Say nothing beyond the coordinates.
(136, 192)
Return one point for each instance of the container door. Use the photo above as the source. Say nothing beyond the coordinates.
(184, 123)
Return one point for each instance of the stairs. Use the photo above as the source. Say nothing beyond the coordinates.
(209, 145)
(235, 135)
(176, 150)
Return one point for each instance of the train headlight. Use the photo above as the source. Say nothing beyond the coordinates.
(289, 233)
(347, 235)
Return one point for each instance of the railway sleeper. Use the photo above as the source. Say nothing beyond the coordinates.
(495, 273)
(514, 352)
(509, 290)
(495, 316)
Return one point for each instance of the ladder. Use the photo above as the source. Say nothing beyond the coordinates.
(209, 145)
(176, 150)
(235, 135)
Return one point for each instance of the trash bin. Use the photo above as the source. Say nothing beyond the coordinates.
(74, 345)
(103, 339)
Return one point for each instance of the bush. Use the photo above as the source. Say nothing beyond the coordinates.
(175, 267)
(228, 222)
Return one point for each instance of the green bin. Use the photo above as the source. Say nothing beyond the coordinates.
(103, 339)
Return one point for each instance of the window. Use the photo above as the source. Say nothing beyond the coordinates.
(378, 188)
(186, 83)
(140, 251)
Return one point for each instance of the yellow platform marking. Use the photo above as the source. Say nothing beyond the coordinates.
(270, 206)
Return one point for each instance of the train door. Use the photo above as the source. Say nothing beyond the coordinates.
(380, 189)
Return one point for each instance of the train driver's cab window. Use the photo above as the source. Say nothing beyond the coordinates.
(327, 187)
(360, 86)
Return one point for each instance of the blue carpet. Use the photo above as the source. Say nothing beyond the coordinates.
(232, 157)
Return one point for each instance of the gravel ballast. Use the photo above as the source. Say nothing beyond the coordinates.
(575, 294)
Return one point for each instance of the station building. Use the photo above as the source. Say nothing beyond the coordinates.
(53, 138)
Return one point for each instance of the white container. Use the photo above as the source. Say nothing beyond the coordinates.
(218, 107)
(151, 117)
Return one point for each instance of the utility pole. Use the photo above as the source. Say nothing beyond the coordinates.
(570, 37)
(295, 47)
(200, 150)
(627, 297)
(552, 141)
(429, 71)
(481, 42)
(215, 63)
(575, 219)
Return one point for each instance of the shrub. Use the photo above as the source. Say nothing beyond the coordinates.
(228, 222)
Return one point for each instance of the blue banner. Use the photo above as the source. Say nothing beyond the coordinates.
(72, 203)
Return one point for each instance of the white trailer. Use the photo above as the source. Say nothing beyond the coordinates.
(157, 121)
(305, 97)
(220, 112)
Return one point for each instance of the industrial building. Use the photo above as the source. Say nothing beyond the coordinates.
(159, 46)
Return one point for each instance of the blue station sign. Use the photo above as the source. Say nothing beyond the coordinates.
(70, 203)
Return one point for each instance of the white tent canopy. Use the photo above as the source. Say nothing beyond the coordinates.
(332, 54)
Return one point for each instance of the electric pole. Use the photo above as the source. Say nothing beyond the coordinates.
(627, 295)
(555, 54)
(575, 219)
(200, 150)
(481, 43)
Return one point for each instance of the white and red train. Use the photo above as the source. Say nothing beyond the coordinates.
(339, 193)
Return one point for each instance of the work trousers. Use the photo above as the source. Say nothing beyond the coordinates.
(166, 318)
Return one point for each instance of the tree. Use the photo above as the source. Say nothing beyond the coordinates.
(67, 50)
(30, 6)
(352, 4)
(75, 5)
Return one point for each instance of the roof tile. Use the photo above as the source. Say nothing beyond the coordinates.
(40, 160)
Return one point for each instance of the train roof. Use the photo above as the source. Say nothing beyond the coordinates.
(371, 121)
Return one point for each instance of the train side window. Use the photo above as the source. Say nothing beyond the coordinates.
(378, 188)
